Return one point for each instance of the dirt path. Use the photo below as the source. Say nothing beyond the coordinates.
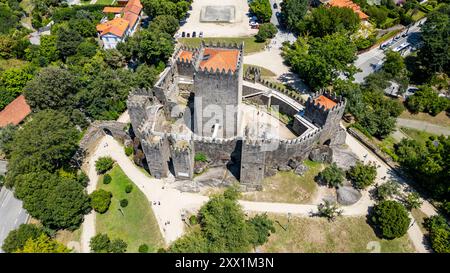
(423, 126)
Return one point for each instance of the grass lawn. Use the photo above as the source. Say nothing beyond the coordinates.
(265, 73)
(250, 44)
(11, 63)
(387, 36)
(105, 2)
(387, 145)
(442, 119)
(418, 15)
(287, 187)
(138, 225)
(420, 136)
(317, 235)
(66, 236)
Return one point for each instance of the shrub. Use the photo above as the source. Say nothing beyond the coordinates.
(412, 201)
(104, 164)
(100, 200)
(100, 243)
(362, 175)
(143, 248)
(17, 238)
(391, 219)
(332, 175)
(107, 179)
(201, 157)
(123, 203)
(128, 188)
(387, 190)
(193, 220)
(329, 210)
(129, 150)
(440, 240)
(266, 31)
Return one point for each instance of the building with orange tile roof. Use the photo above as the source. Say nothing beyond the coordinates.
(325, 102)
(348, 4)
(124, 24)
(221, 59)
(15, 112)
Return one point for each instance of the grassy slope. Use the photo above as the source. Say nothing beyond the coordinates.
(420, 136)
(138, 224)
(317, 235)
(442, 119)
(287, 187)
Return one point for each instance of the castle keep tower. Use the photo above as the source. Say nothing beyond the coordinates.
(218, 90)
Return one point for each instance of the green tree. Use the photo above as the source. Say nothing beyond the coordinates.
(262, 227)
(320, 61)
(427, 100)
(17, 238)
(104, 164)
(52, 88)
(391, 219)
(328, 20)
(332, 175)
(6, 138)
(440, 240)
(362, 175)
(8, 18)
(434, 53)
(394, 64)
(262, 9)
(114, 58)
(100, 200)
(117, 246)
(68, 41)
(43, 244)
(193, 242)
(15, 79)
(293, 12)
(266, 31)
(100, 243)
(143, 248)
(47, 142)
(165, 23)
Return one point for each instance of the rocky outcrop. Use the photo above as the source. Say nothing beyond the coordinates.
(322, 154)
(301, 169)
(344, 157)
(347, 195)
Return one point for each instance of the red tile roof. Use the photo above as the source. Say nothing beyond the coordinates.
(118, 26)
(349, 4)
(15, 112)
(112, 9)
(220, 59)
(186, 55)
(326, 102)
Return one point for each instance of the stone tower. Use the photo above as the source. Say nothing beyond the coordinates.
(218, 90)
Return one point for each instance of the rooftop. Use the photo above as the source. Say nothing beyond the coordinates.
(15, 112)
(326, 102)
(186, 55)
(349, 4)
(219, 59)
(116, 26)
(112, 9)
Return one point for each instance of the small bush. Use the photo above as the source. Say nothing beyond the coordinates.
(193, 220)
(129, 150)
(104, 164)
(362, 175)
(332, 175)
(107, 179)
(124, 203)
(143, 248)
(128, 188)
(100, 200)
(391, 219)
(266, 31)
(201, 157)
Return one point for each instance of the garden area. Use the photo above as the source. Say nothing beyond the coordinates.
(135, 223)
(288, 187)
(317, 235)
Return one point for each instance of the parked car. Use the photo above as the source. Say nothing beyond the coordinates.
(183, 34)
(188, 35)
(275, 6)
(194, 34)
(200, 34)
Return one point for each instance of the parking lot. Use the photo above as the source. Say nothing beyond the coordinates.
(239, 25)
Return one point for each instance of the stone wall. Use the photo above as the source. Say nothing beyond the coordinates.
(183, 160)
(157, 153)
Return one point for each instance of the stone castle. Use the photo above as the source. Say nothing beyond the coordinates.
(198, 104)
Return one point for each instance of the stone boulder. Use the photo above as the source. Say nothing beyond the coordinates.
(322, 154)
(284, 168)
(344, 157)
(293, 163)
(347, 195)
(301, 169)
(200, 167)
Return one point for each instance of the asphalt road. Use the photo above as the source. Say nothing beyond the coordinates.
(12, 214)
(367, 61)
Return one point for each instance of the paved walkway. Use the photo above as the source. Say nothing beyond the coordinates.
(12, 215)
(423, 126)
